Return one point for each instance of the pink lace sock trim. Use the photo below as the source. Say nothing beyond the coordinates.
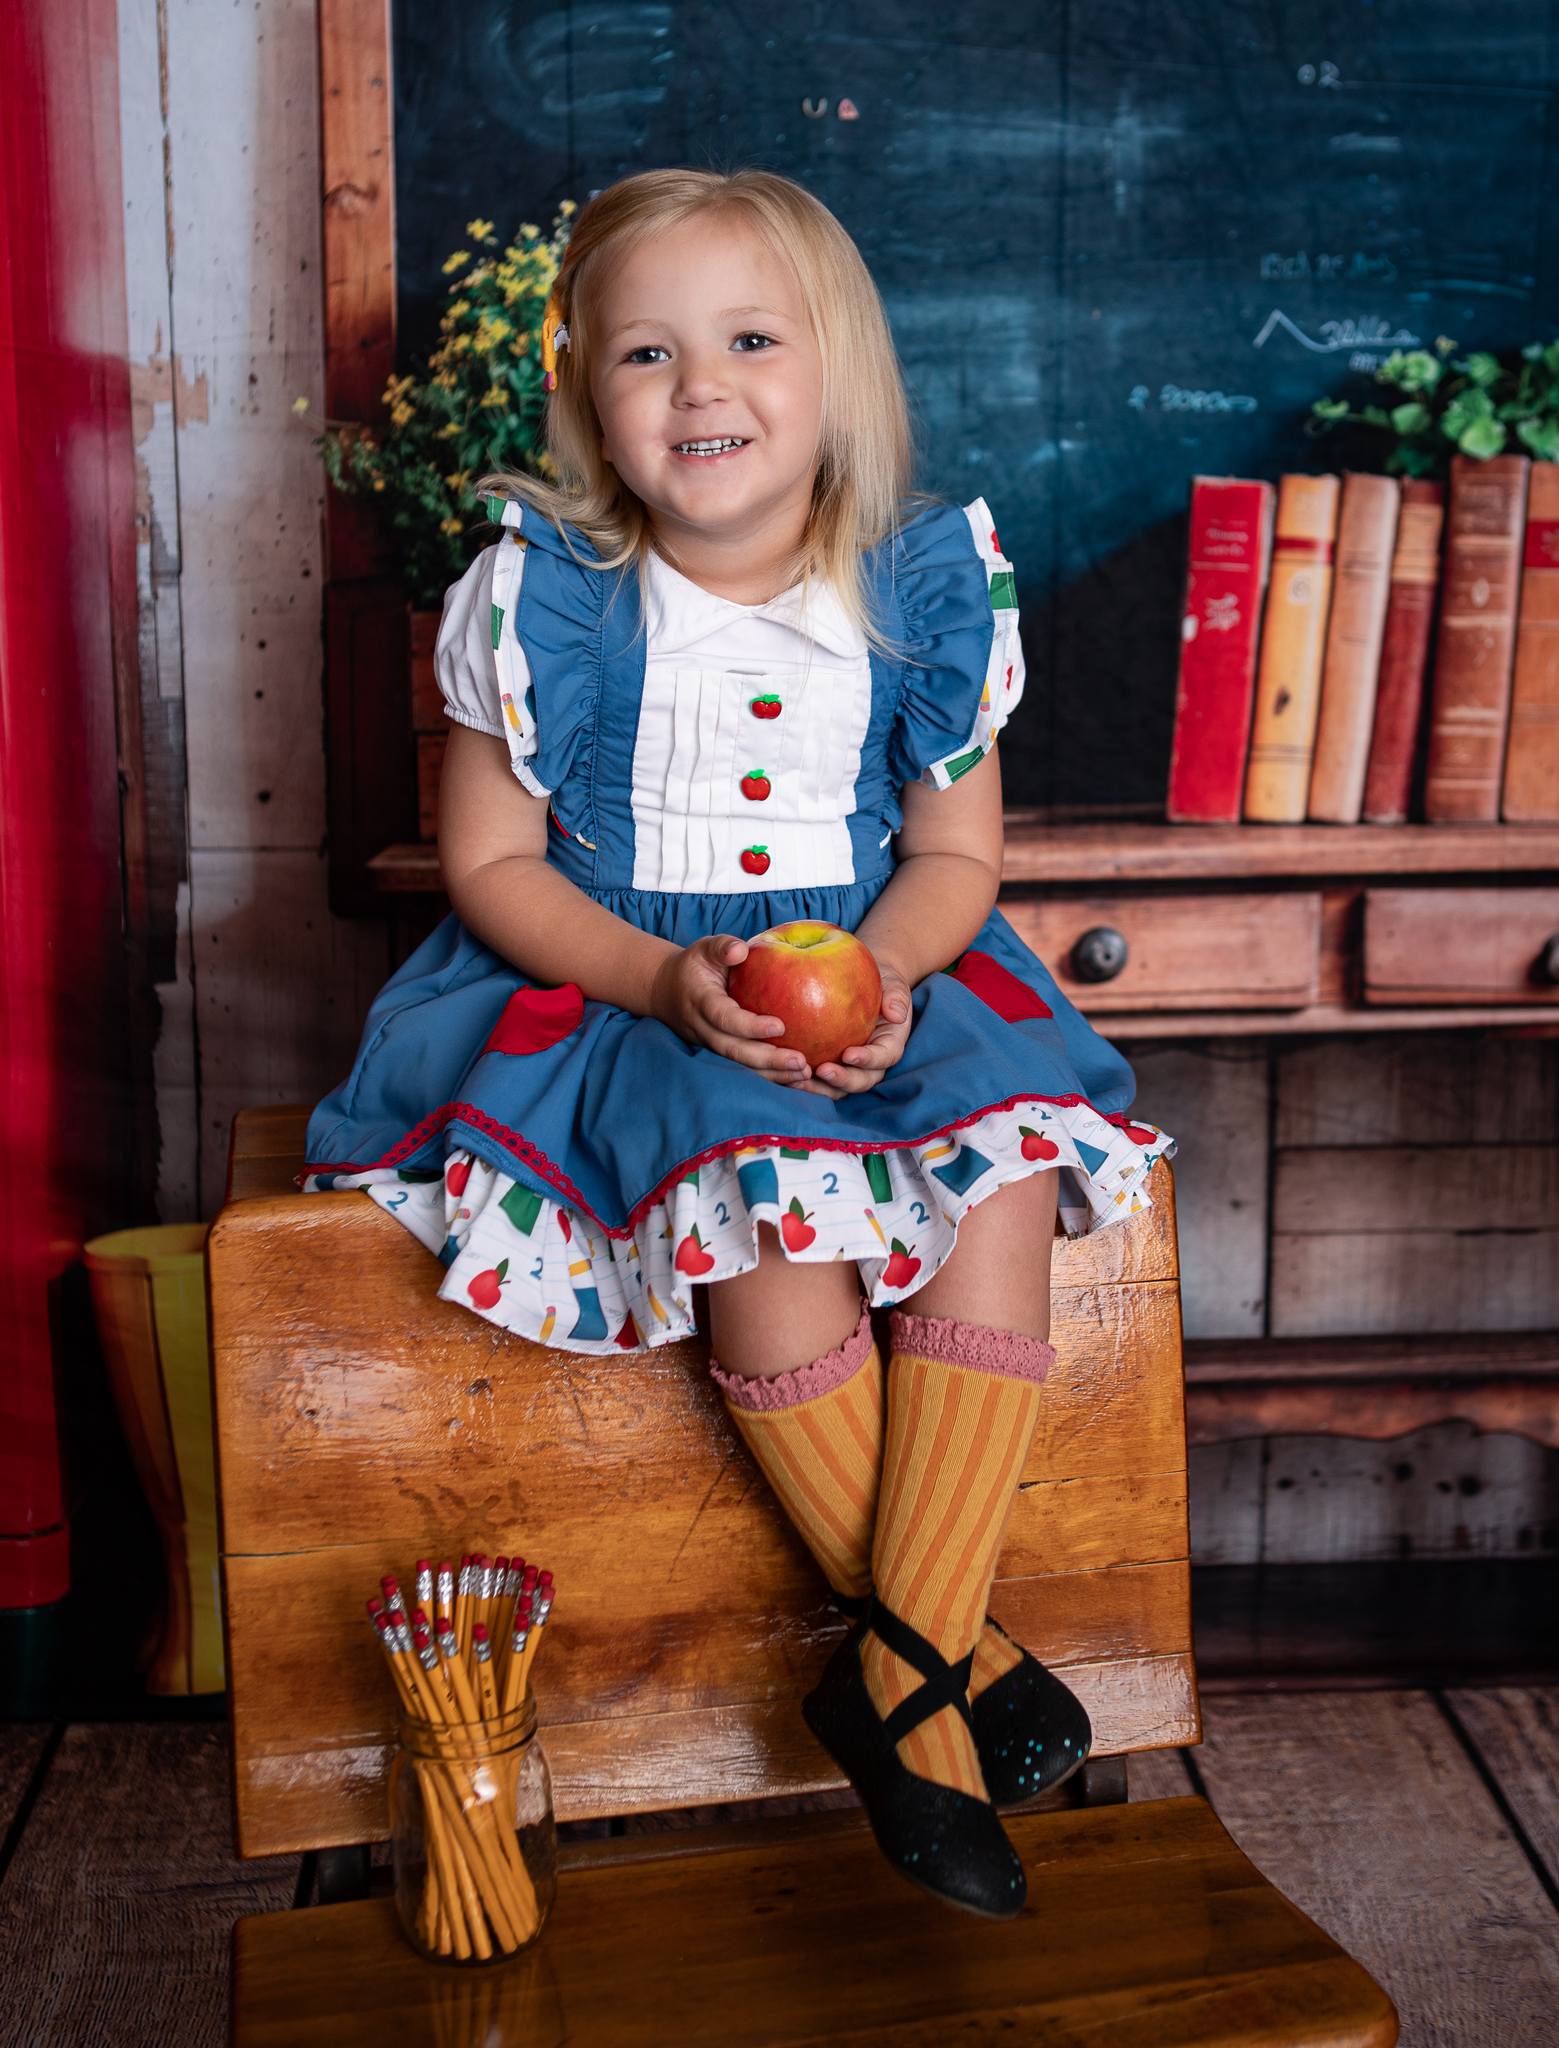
(1008, 1353)
(806, 1382)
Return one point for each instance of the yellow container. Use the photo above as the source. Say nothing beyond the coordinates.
(149, 1300)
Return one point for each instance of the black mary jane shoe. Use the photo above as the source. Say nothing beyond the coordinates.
(1032, 1731)
(944, 1840)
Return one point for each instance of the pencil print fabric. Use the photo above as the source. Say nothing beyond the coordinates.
(542, 1269)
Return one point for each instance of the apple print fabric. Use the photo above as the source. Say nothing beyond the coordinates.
(576, 1170)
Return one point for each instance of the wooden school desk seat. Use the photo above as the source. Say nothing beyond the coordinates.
(362, 1423)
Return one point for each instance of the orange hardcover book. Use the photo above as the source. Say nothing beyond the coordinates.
(1293, 641)
(1470, 712)
(1366, 535)
(1531, 795)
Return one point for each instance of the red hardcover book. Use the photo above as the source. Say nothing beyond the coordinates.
(1228, 556)
(1404, 653)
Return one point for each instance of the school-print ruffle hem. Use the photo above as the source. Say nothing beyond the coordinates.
(546, 1271)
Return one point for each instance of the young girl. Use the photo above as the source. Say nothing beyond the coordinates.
(788, 711)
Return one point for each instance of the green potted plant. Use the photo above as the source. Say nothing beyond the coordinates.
(1480, 405)
(475, 403)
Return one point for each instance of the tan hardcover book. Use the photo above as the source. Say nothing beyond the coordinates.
(1366, 535)
(1470, 711)
(1293, 640)
(1531, 794)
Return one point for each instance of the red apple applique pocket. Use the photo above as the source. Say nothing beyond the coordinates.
(535, 1018)
(997, 989)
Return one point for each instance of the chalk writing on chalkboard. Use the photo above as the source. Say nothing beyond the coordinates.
(1329, 268)
(1172, 399)
(1335, 334)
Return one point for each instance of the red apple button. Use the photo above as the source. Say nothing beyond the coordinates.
(766, 706)
(755, 859)
(756, 786)
(998, 989)
(535, 1018)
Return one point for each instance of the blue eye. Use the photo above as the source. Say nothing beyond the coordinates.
(645, 347)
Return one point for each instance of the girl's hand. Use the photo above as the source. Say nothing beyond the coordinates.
(691, 998)
(860, 1067)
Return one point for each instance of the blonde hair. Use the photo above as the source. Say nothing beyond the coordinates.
(865, 450)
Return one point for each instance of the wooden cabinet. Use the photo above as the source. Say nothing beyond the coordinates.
(1174, 931)
(1461, 945)
(1253, 951)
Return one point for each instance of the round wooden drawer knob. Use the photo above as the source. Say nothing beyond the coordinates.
(1099, 954)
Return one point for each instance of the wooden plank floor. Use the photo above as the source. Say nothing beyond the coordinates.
(1419, 1827)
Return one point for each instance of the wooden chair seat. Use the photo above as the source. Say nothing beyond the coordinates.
(363, 1422)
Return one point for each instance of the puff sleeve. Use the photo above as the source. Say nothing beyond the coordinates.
(960, 613)
(482, 672)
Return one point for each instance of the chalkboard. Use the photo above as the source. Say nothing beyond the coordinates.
(1119, 244)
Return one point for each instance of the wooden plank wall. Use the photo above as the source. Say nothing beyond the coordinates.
(261, 990)
(1391, 1183)
(1371, 1185)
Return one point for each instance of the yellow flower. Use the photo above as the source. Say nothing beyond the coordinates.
(454, 262)
(448, 433)
(479, 230)
(545, 463)
(495, 398)
(457, 309)
(458, 478)
(492, 329)
(402, 415)
(445, 380)
(530, 229)
(300, 405)
(568, 207)
(451, 526)
(460, 345)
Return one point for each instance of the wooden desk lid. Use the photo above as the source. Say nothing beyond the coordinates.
(362, 1423)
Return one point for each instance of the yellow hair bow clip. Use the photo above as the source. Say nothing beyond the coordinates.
(554, 335)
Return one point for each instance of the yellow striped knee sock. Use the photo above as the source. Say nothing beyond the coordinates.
(817, 1434)
(962, 1407)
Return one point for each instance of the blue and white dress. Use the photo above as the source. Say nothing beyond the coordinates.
(575, 1168)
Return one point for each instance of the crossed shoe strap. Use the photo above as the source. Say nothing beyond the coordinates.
(946, 1685)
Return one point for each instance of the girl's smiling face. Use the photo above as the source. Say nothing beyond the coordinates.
(701, 335)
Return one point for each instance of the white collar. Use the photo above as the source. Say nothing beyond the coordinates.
(680, 613)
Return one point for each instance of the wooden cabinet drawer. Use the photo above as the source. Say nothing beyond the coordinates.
(1461, 945)
(1228, 950)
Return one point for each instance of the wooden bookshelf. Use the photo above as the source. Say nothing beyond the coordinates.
(1160, 931)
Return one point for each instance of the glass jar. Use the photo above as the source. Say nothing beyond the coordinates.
(472, 1836)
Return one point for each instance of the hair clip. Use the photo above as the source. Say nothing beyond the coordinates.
(554, 335)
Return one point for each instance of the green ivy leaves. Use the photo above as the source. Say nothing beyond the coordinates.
(1476, 405)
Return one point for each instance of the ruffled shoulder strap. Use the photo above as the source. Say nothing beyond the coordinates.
(957, 599)
(547, 626)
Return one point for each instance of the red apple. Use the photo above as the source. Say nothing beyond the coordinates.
(755, 786)
(483, 1290)
(1036, 1147)
(900, 1269)
(794, 1227)
(457, 1176)
(755, 859)
(766, 706)
(821, 983)
(691, 1257)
